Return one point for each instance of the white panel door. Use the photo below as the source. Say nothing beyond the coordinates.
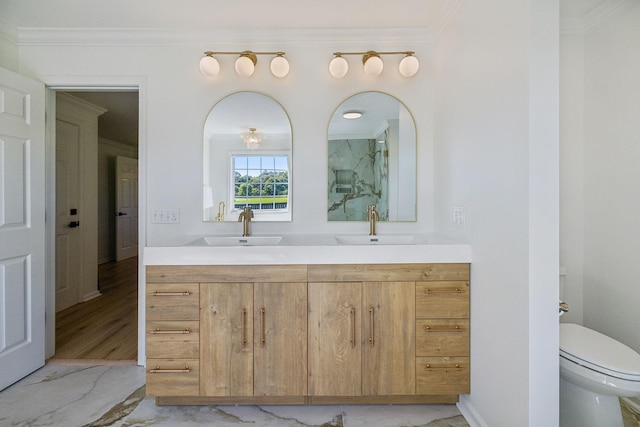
(22, 231)
(126, 208)
(68, 243)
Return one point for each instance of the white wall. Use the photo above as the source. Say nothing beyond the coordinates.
(8, 46)
(612, 175)
(571, 173)
(496, 149)
(179, 99)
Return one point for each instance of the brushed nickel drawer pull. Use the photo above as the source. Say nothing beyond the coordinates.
(441, 368)
(244, 327)
(353, 327)
(444, 329)
(372, 321)
(171, 294)
(159, 370)
(429, 291)
(170, 331)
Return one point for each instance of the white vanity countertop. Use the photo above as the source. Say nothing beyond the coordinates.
(312, 249)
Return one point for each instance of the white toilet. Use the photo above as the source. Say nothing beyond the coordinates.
(595, 370)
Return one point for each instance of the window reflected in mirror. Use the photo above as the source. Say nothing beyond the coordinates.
(260, 182)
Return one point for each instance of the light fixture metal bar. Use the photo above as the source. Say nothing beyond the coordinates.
(405, 52)
(245, 52)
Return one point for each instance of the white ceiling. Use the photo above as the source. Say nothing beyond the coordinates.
(211, 14)
(257, 14)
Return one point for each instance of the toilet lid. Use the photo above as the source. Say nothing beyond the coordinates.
(599, 352)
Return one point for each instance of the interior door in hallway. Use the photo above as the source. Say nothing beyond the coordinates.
(22, 230)
(126, 208)
(68, 252)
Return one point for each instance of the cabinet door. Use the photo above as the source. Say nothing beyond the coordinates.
(280, 339)
(226, 328)
(388, 339)
(334, 339)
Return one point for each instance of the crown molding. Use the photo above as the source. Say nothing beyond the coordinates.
(598, 14)
(257, 37)
(444, 16)
(603, 11)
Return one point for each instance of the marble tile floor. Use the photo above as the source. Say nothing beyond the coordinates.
(114, 395)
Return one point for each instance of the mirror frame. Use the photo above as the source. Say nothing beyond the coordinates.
(211, 199)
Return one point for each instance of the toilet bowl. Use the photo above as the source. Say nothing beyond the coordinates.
(595, 370)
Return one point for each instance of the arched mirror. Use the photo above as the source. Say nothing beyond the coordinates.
(372, 159)
(247, 159)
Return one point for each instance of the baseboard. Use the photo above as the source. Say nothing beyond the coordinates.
(91, 295)
(470, 413)
(91, 362)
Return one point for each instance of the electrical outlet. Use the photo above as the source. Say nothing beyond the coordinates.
(165, 216)
(458, 216)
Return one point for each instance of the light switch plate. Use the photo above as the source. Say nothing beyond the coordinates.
(458, 216)
(165, 216)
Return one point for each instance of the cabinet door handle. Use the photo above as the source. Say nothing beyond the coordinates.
(430, 291)
(353, 327)
(159, 370)
(372, 321)
(170, 331)
(171, 294)
(244, 327)
(443, 329)
(263, 339)
(441, 368)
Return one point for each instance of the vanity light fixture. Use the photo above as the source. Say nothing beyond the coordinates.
(373, 64)
(245, 65)
(252, 138)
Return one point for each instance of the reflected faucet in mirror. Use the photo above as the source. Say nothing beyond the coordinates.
(245, 216)
(373, 217)
(220, 215)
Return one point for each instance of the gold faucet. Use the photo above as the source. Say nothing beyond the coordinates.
(372, 216)
(245, 217)
(220, 216)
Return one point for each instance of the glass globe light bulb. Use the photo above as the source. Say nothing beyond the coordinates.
(209, 66)
(409, 66)
(338, 67)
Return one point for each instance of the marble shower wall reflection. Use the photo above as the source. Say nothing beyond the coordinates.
(358, 177)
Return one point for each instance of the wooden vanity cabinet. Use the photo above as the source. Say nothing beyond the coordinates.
(255, 339)
(442, 337)
(173, 339)
(253, 331)
(367, 334)
(361, 338)
(308, 334)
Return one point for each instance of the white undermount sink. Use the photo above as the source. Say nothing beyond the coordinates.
(236, 241)
(378, 240)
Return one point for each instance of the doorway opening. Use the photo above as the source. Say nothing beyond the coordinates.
(102, 322)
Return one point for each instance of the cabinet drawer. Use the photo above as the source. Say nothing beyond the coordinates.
(442, 375)
(175, 301)
(442, 299)
(177, 339)
(442, 337)
(173, 377)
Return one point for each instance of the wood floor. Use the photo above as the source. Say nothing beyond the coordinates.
(105, 327)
